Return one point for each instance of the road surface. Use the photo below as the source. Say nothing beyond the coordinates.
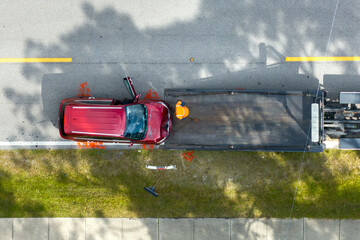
(163, 44)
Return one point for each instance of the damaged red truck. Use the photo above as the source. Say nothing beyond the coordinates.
(109, 120)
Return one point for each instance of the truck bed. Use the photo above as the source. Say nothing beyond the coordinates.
(243, 120)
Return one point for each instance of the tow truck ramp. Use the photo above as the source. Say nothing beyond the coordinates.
(248, 120)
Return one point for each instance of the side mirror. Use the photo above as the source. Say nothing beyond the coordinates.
(129, 86)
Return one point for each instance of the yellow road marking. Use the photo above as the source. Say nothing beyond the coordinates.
(321, 59)
(34, 60)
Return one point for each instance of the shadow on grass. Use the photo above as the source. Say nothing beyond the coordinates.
(262, 187)
(13, 206)
(215, 184)
(91, 183)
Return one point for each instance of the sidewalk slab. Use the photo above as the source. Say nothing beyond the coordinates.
(67, 228)
(349, 229)
(315, 229)
(249, 229)
(140, 228)
(31, 228)
(176, 229)
(211, 228)
(103, 228)
(6, 226)
(285, 229)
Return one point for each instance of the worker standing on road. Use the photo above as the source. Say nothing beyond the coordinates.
(181, 110)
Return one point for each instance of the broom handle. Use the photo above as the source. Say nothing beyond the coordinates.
(162, 174)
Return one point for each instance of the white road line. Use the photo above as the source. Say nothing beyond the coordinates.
(53, 143)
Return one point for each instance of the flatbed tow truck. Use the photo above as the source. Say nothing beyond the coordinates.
(263, 120)
(242, 120)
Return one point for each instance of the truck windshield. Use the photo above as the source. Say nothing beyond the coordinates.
(136, 122)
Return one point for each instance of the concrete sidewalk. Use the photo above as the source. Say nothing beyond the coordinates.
(183, 228)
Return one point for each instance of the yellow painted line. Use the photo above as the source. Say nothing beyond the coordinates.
(321, 59)
(34, 60)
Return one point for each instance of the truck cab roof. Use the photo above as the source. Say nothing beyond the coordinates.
(95, 120)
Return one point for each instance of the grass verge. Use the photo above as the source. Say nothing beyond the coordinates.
(93, 183)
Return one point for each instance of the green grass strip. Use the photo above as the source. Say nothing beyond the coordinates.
(104, 183)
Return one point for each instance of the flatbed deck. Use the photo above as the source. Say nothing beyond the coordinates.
(243, 120)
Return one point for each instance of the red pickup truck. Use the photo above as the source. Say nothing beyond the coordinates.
(109, 120)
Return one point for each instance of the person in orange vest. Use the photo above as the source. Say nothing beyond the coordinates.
(181, 110)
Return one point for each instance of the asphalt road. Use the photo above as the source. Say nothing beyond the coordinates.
(164, 44)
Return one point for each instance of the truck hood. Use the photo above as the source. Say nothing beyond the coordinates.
(158, 115)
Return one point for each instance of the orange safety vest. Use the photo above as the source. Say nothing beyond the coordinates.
(181, 110)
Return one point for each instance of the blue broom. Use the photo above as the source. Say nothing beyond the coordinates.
(152, 189)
